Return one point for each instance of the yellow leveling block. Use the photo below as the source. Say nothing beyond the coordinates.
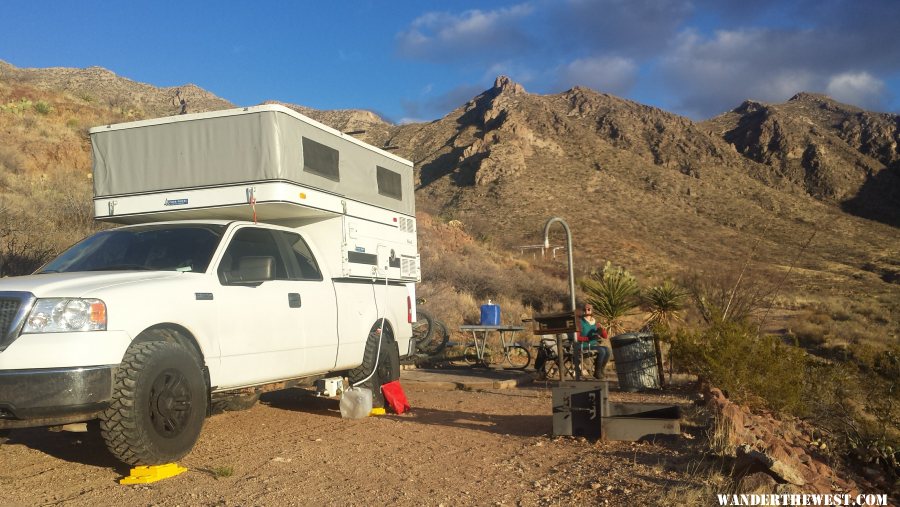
(146, 475)
(377, 411)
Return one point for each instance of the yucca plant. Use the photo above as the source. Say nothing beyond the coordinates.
(665, 303)
(613, 292)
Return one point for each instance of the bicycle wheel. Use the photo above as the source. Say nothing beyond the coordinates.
(549, 370)
(490, 359)
(422, 330)
(440, 338)
(470, 356)
(518, 356)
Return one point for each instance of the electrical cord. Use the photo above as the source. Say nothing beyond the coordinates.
(380, 331)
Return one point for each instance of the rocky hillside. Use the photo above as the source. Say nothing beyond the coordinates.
(639, 185)
(837, 153)
(98, 85)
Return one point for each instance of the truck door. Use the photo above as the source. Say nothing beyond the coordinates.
(261, 326)
(317, 303)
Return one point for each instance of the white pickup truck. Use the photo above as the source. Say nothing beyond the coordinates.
(146, 327)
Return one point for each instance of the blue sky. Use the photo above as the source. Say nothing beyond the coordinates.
(417, 60)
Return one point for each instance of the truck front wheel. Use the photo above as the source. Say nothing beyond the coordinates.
(158, 406)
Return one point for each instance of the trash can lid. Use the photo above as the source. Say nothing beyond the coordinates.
(626, 339)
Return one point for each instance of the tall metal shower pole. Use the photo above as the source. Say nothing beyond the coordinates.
(559, 345)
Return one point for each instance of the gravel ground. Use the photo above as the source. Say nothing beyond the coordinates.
(487, 447)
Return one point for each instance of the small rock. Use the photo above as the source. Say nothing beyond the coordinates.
(596, 485)
(759, 482)
(873, 474)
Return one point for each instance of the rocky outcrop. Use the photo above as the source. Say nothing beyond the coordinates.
(836, 152)
(773, 456)
(504, 139)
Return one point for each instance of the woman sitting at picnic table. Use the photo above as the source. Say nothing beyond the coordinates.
(589, 340)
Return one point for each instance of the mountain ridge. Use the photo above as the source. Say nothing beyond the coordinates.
(641, 186)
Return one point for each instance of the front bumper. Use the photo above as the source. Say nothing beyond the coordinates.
(46, 397)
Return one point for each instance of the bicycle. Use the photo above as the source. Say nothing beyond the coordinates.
(431, 335)
(513, 354)
(547, 365)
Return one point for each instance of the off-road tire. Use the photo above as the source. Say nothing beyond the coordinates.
(233, 402)
(158, 405)
(388, 369)
(422, 331)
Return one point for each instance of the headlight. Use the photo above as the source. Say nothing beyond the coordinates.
(59, 315)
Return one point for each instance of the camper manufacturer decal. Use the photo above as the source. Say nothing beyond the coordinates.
(175, 202)
(360, 249)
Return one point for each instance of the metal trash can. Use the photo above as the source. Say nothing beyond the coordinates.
(635, 357)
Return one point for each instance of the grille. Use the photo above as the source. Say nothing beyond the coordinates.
(407, 225)
(409, 268)
(8, 309)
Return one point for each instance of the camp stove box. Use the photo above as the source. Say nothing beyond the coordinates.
(583, 409)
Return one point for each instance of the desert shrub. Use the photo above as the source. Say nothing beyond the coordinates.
(728, 293)
(856, 404)
(614, 293)
(11, 160)
(42, 107)
(809, 334)
(17, 107)
(21, 251)
(665, 303)
(760, 371)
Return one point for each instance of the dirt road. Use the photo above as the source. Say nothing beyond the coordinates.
(490, 447)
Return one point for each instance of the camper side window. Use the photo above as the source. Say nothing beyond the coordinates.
(320, 159)
(306, 267)
(250, 242)
(389, 183)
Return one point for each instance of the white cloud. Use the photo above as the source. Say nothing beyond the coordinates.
(611, 74)
(442, 35)
(712, 75)
(860, 88)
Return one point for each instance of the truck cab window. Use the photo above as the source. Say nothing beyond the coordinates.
(251, 242)
(306, 267)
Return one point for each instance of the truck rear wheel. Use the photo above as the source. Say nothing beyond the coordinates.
(388, 369)
(158, 406)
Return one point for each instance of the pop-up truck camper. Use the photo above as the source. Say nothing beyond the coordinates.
(260, 250)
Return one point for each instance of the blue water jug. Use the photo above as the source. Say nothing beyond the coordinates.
(490, 314)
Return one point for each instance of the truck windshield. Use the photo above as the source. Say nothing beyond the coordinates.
(187, 247)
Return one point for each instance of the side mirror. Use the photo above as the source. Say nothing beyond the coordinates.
(252, 269)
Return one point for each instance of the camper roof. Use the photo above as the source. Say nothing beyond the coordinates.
(244, 110)
(244, 146)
